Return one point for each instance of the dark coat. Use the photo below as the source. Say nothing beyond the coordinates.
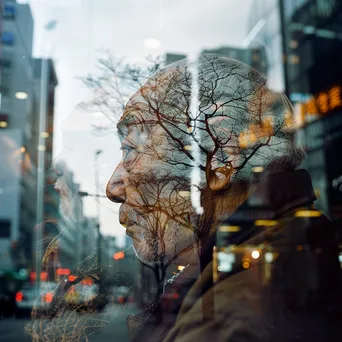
(301, 301)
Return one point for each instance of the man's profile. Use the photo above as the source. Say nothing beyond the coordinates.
(238, 127)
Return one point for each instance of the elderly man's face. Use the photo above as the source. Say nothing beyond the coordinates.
(152, 182)
(234, 131)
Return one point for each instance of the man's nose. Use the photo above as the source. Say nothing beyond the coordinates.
(115, 189)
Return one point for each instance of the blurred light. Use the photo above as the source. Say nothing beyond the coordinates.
(187, 147)
(175, 295)
(255, 254)
(265, 223)
(269, 257)
(180, 268)
(22, 149)
(294, 44)
(48, 297)
(184, 193)
(33, 275)
(20, 95)
(152, 43)
(3, 124)
(72, 278)
(340, 258)
(308, 213)
(229, 229)
(258, 169)
(23, 272)
(43, 276)
(119, 255)
(190, 129)
(245, 265)
(294, 59)
(299, 248)
(19, 297)
(63, 271)
(45, 135)
(41, 148)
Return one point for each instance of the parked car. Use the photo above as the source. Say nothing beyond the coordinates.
(35, 301)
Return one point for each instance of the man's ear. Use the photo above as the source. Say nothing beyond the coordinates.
(219, 178)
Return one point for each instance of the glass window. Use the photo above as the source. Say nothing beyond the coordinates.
(5, 228)
(9, 11)
(7, 38)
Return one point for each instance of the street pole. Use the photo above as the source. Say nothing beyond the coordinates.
(41, 171)
(39, 228)
(97, 188)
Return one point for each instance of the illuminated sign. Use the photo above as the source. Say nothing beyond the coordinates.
(322, 103)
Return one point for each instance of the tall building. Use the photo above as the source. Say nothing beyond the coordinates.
(250, 56)
(264, 33)
(253, 57)
(313, 77)
(17, 171)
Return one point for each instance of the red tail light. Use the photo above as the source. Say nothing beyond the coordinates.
(19, 297)
(48, 297)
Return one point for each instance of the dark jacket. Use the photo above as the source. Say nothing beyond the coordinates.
(299, 300)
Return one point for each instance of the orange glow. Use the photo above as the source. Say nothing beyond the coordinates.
(43, 276)
(119, 255)
(72, 278)
(245, 265)
(335, 97)
(19, 297)
(311, 107)
(87, 281)
(33, 276)
(323, 102)
(48, 297)
(63, 271)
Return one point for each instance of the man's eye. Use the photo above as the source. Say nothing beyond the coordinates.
(127, 148)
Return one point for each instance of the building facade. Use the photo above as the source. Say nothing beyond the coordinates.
(313, 68)
(16, 113)
(265, 33)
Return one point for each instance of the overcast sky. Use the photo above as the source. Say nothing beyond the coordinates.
(85, 27)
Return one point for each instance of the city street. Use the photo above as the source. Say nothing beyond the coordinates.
(13, 330)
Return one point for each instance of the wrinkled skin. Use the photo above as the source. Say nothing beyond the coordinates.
(238, 124)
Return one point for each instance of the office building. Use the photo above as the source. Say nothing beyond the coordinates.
(313, 68)
(17, 171)
(264, 34)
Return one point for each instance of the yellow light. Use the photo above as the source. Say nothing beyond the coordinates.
(255, 254)
(229, 229)
(22, 149)
(190, 129)
(258, 169)
(45, 134)
(41, 148)
(187, 147)
(265, 223)
(3, 124)
(245, 265)
(184, 193)
(308, 213)
(152, 43)
(180, 268)
(20, 95)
